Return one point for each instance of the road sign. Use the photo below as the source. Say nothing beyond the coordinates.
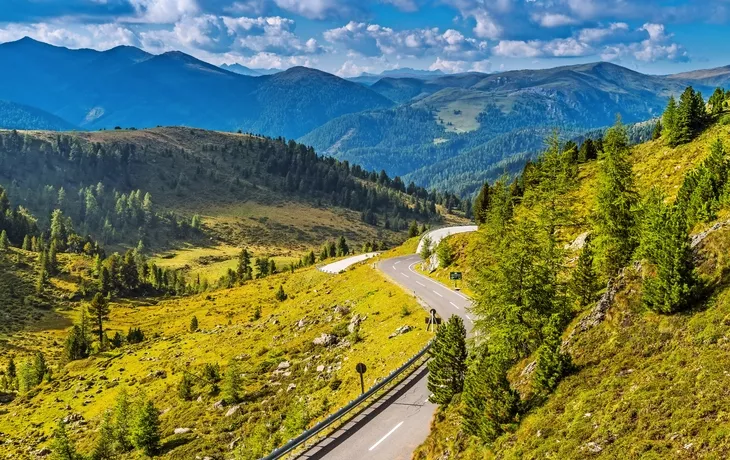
(433, 320)
(455, 275)
(361, 368)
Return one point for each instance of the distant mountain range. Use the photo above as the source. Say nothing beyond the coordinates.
(437, 129)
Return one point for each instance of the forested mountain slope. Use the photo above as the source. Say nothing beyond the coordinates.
(18, 116)
(108, 181)
(614, 343)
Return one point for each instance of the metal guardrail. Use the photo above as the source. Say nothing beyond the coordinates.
(312, 432)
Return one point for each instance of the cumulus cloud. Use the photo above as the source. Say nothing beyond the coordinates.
(447, 66)
(96, 36)
(373, 40)
(554, 20)
(163, 11)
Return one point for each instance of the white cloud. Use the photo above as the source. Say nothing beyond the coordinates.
(351, 69)
(518, 48)
(601, 34)
(483, 66)
(447, 66)
(318, 9)
(374, 40)
(554, 20)
(96, 36)
(163, 11)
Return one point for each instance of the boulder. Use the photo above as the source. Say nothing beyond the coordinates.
(320, 368)
(219, 405)
(283, 365)
(233, 411)
(342, 310)
(355, 323)
(326, 340)
(401, 330)
(182, 430)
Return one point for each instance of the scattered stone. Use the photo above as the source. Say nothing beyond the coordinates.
(73, 419)
(219, 405)
(233, 411)
(302, 323)
(593, 447)
(182, 430)
(401, 330)
(342, 310)
(42, 452)
(578, 243)
(326, 340)
(290, 387)
(200, 399)
(320, 368)
(232, 445)
(355, 323)
(688, 446)
(284, 365)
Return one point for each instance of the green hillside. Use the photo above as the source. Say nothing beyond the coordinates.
(17, 116)
(584, 367)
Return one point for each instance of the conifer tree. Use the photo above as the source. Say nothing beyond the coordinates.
(447, 368)
(40, 368)
(76, 345)
(673, 284)
(413, 230)
(232, 383)
(52, 259)
(4, 243)
(62, 448)
(26, 243)
(244, 270)
(657, 132)
(669, 119)
(185, 387)
(481, 204)
(99, 311)
(280, 294)
(717, 101)
(194, 324)
(584, 281)
(445, 254)
(426, 248)
(122, 422)
(104, 447)
(587, 151)
(490, 403)
(146, 431)
(342, 248)
(614, 217)
(552, 362)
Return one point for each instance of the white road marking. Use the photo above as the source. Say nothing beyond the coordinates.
(454, 305)
(396, 263)
(384, 437)
(437, 293)
(404, 275)
(420, 283)
(467, 317)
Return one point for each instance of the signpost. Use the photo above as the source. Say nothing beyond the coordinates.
(361, 368)
(432, 320)
(456, 276)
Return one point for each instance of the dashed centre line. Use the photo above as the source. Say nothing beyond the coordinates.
(420, 283)
(454, 305)
(435, 292)
(404, 275)
(384, 437)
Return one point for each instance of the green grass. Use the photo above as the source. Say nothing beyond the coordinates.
(228, 331)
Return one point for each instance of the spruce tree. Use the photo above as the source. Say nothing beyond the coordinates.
(62, 448)
(445, 254)
(481, 204)
(26, 243)
(614, 216)
(551, 362)
(280, 294)
(99, 311)
(342, 248)
(413, 230)
(146, 431)
(104, 448)
(4, 243)
(672, 286)
(447, 368)
(244, 270)
(185, 387)
(584, 281)
(76, 345)
(489, 402)
(123, 422)
(425, 248)
(232, 383)
(194, 324)
(717, 101)
(669, 119)
(657, 132)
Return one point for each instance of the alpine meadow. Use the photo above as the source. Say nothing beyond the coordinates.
(337, 230)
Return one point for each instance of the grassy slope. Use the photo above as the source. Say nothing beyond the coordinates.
(88, 387)
(646, 385)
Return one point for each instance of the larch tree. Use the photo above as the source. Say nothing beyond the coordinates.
(615, 213)
(99, 311)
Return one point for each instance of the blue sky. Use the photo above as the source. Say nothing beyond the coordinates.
(348, 37)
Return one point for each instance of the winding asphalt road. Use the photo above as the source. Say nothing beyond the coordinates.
(396, 424)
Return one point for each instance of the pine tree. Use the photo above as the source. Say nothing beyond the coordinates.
(185, 387)
(40, 368)
(244, 270)
(194, 324)
(52, 258)
(99, 311)
(62, 448)
(12, 369)
(614, 217)
(552, 362)
(122, 422)
(481, 204)
(426, 248)
(673, 285)
(669, 119)
(657, 132)
(445, 254)
(146, 431)
(232, 383)
(584, 281)
(413, 230)
(76, 345)
(490, 403)
(342, 248)
(4, 243)
(447, 369)
(717, 101)
(27, 243)
(280, 294)
(587, 151)
(104, 447)
(106, 284)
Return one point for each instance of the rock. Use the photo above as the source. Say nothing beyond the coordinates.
(290, 387)
(401, 330)
(342, 310)
(182, 430)
(579, 242)
(233, 411)
(301, 323)
(200, 399)
(320, 368)
(283, 365)
(355, 323)
(219, 405)
(695, 240)
(232, 444)
(326, 340)
(42, 452)
(592, 447)
(72, 419)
